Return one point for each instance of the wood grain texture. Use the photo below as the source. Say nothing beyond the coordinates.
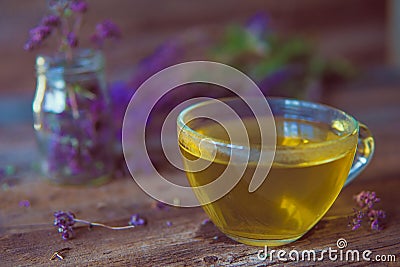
(186, 242)
(28, 238)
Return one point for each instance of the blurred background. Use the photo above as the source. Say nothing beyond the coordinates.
(358, 30)
(364, 33)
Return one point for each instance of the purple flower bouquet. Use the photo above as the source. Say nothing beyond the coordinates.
(72, 112)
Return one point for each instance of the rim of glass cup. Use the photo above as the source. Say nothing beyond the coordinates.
(194, 135)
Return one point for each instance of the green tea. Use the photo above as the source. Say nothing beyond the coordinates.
(307, 174)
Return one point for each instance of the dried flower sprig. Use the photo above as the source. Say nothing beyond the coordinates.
(137, 220)
(66, 20)
(66, 220)
(365, 201)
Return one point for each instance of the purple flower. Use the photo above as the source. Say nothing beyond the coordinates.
(366, 199)
(105, 30)
(64, 221)
(168, 223)
(24, 203)
(39, 33)
(257, 24)
(356, 225)
(377, 214)
(78, 6)
(66, 234)
(376, 217)
(51, 21)
(63, 20)
(136, 220)
(36, 36)
(29, 45)
(375, 225)
(357, 219)
(72, 40)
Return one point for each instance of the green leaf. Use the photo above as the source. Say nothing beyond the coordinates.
(67, 12)
(236, 43)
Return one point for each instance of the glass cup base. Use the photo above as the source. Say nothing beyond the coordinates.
(263, 242)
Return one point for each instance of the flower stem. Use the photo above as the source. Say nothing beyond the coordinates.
(105, 226)
(65, 28)
(77, 25)
(74, 104)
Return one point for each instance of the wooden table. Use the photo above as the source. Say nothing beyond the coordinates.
(27, 236)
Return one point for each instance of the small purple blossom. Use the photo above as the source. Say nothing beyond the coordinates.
(78, 6)
(72, 40)
(376, 217)
(377, 214)
(36, 36)
(168, 223)
(29, 45)
(108, 29)
(105, 30)
(39, 33)
(257, 24)
(68, 25)
(375, 225)
(51, 21)
(24, 203)
(64, 221)
(357, 219)
(365, 201)
(137, 220)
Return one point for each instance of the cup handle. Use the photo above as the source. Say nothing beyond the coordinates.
(364, 152)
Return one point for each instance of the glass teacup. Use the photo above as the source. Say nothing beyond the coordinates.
(319, 149)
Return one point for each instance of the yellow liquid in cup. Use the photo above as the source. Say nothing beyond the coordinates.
(304, 181)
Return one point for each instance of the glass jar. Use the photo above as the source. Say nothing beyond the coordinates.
(72, 118)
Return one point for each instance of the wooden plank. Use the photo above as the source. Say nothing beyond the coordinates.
(187, 241)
